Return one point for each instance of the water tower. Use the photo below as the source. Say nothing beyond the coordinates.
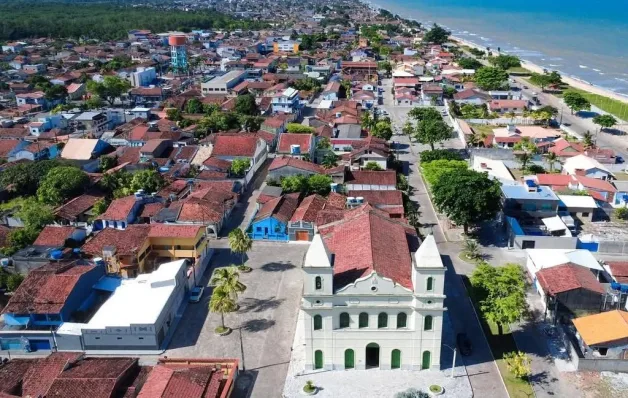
(178, 54)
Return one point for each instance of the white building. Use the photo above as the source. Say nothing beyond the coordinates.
(372, 297)
(582, 165)
(143, 77)
(287, 101)
(139, 313)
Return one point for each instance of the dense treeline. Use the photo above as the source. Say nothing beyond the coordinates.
(21, 19)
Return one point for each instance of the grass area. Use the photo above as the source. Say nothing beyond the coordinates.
(617, 108)
(500, 345)
(517, 173)
(487, 129)
(519, 70)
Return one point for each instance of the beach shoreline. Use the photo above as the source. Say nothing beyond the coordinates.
(573, 82)
(531, 66)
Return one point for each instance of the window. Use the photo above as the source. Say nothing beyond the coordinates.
(318, 322)
(382, 320)
(427, 323)
(318, 283)
(585, 214)
(402, 320)
(258, 229)
(430, 284)
(344, 320)
(364, 320)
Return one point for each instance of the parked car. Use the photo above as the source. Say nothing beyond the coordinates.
(385, 112)
(464, 344)
(196, 294)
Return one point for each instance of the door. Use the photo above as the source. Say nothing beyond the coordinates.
(265, 232)
(395, 360)
(527, 244)
(302, 235)
(349, 359)
(427, 360)
(318, 359)
(372, 355)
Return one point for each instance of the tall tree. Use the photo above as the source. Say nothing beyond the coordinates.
(245, 105)
(576, 102)
(467, 197)
(228, 279)
(436, 35)
(430, 131)
(221, 303)
(62, 183)
(330, 160)
(488, 78)
(501, 292)
(423, 113)
(587, 140)
(552, 159)
(111, 88)
(240, 243)
(605, 121)
(383, 130)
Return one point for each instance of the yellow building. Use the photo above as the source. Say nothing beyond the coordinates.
(286, 46)
(141, 247)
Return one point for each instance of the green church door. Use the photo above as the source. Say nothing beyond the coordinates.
(427, 360)
(349, 359)
(318, 359)
(395, 360)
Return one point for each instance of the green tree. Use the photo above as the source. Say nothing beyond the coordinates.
(174, 114)
(367, 121)
(575, 101)
(518, 363)
(436, 35)
(432, 171)
(147, 180)
(23, 179)
(621, 213)
(228, 279)
(297, 183)
(245, 105)
(320, 184)
(424, 113)
(524, 159)
(14, 281)
(407, 129)
(431, 131)
(239, 166)
(323, 143)
(541, 79)
(505, 62)
(240, 243)
(94, 102)
(107, 162)
(501, 293)
(373, 166)
(605, 121)
(472, 249)
(385, 66)
(298, 128)
(587, 140)
(111, 88)
(194, 105)
(383, 130)
(330, 160)
(62, 183)
(222, 303)
(488, 78)
(469, 63)
(526, 145)
(551, 159)
(100, 206)
(55, 92)
(467, 197)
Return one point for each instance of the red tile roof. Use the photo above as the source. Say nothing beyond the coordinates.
(4, 233)
(281, 208)
(336, 200)
(46, 289)
(309, 208)
(43, 373)
(619, 270)
(235, 145)
(53, 235)
(388, 198)
(366, 240)
(216, 163)
(566, 277)
(596, 184)
(150, 209)
(119, 209)
(515, 104)
(286, 161)
(388, 177)
(288, 139)
(6, 146)
(198, 210)
(174, 231)
(126, 242)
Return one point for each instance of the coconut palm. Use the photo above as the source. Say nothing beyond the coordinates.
(524, 159)
(587, 140)
(228, 280)
(473, 140)
(330, 160)
(240, 242)
(221, 303)
(367, 121)
(551, 159)
(472, 249)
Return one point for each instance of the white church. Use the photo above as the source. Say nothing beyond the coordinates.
(372, 297)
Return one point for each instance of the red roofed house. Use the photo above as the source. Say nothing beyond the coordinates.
(241, 146)
(56, 236)
(507, 106)
(363, 180)
(285, 166)
(296, 145)
(395, 286)
(569, 290)
(302, 224)
(271, 220)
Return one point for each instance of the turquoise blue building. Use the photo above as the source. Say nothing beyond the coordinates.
(272, 218)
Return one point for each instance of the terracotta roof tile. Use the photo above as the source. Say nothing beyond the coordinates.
(235, 145)
(566, 277)
(309, 208)
(53, 235)
(388, 198)
(119, 209)
(371, 177)
(288, 139)
(174, 231)
(150, 209)
(286, 161)
(126, 242)
(281, 208)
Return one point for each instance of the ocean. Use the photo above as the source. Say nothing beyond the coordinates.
(584, 39)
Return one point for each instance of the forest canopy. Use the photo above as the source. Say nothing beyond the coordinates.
(22, 20)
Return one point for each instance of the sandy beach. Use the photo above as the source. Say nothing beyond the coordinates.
(569, 80)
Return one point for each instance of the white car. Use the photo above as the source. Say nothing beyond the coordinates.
(385, 112)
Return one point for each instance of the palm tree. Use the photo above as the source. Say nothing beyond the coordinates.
(587, 140)
(551, 159)
(367, 121)
(228, 280)
(524, 159)
(511, 115)
(472, 249)
(473, 140)
(240, 242)
(408, 129)
(221, 303)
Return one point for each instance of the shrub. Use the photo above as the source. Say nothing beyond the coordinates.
(412, 393)
(622, 213)
(309, 387)
(518, 364)
(439, 154)
(435, 169)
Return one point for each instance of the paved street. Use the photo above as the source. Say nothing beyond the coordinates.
(263, 328)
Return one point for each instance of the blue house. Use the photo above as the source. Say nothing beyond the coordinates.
(49, 296)
(271, 220)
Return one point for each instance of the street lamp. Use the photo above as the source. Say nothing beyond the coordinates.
(453, 362)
